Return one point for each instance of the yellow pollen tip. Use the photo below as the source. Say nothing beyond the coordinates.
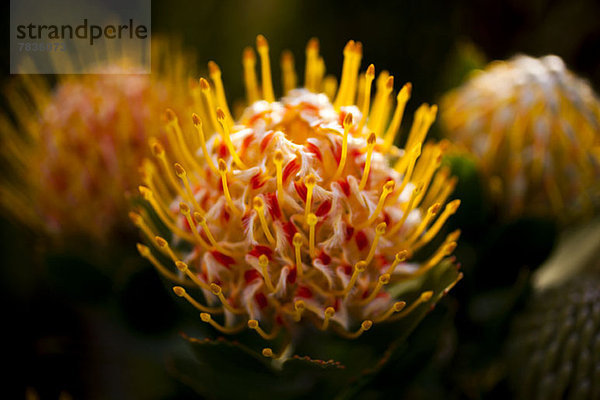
(299, 305)
(348, 120)
(312, 219)
(204, 85)
(196, 119)
(370, 72)
(360, 266)
(258, 203)
(261, 42)
(401, 255)
(252, 324)
(329, 312)
(220, 114)
(380, 229)
(205, 317)
(143, 250)
(389, 186)
(425, 296)
(157, 149)
(366, 325)
(310, 181)
(384, 279)
(263, 260)
(184, 208)
(222, 166)
(179, 170)
(389, 84)
(399, 306)
(135, 218)
(181, 266)
(213, 68)
(267, 352)
(372, 139)
(160, 241)
(215, 289)
(278, 157)
(170, 115)
(179, 291)
(297, 240)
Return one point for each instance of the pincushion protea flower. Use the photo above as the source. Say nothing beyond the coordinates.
(302, 212)
(534, 128)
(74, 150)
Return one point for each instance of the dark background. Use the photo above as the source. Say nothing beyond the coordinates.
(56, 340)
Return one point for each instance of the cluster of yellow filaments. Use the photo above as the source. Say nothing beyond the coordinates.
(534, 128)
(302, 210)
(73, 150)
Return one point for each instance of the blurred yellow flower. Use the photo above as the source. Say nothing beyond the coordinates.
(534, 128)
(73, 150)
(301, 211)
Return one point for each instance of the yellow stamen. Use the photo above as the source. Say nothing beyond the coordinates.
(159, 152)
(407, 168)
(198, 125)
(409, 207)
(299, 308)
(253, 324)
(227, 139)
(425, 296)
(263, 263)
(278, 161)
(364, 326)
(206, 317)
(215, 74)
(378, 116)
(297, 241)
(371, 141)
(218, 291)
(181, 292)
(138, 221)
(381, 282)
(183, 267)
(166, 219)
(340, 168)
(387, 189)
(379, 231)
(181, 173)
(202, 221)
(310, 181)
(359, 267)
(311, 220)
(449, 210)
(265, 64)
(223, 173)
(369, 76)
(208, 101)
(259, 206)
(451, 285)
(394, 126)
(327, 315)
(181, 143)
(164, 246)
(396, 307)
(400, 256)
(249, 62)
(312, 55)
(431, 212)
(444, 250)
(288, 71)
(354, 65)
(185, 210)
(330, 86)
(346, 71)
(147, 254)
